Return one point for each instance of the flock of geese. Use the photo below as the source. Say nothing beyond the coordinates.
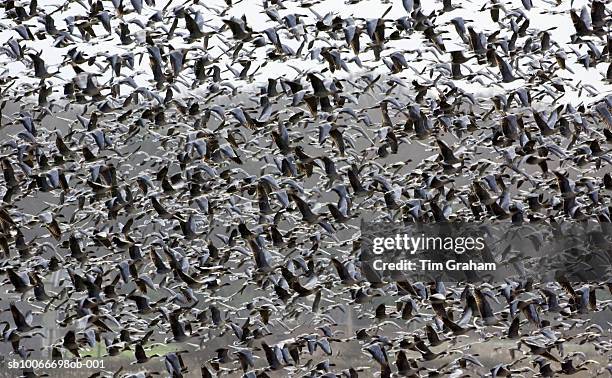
(199, 215)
